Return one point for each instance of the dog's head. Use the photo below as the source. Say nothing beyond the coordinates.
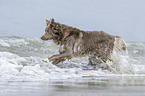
(53, 31)
(59, 32)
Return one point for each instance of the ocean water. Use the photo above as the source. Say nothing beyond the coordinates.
(21, 62)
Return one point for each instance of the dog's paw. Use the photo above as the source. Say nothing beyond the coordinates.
(45, 60)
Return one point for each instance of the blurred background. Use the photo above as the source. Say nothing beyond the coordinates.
(26, 18)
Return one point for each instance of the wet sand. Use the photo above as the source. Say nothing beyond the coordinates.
(102, 86)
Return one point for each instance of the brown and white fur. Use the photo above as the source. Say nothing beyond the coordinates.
(74, 42)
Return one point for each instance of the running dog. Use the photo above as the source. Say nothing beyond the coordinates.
(98, 45)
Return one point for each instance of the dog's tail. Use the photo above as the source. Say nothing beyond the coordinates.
(120, 44)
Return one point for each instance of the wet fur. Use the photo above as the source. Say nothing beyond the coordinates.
(75, 42)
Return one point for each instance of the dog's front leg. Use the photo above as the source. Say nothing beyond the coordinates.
(58, 56)
(58, 60)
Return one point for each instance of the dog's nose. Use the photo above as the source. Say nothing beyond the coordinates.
(42, 37)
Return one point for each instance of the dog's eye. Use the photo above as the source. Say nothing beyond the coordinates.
(46, 33)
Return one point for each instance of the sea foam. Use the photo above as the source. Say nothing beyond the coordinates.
(21, 60)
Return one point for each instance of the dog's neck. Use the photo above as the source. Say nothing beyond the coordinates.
(63, 32)
(57, 29)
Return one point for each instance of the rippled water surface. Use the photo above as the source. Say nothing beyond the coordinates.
(22, 71)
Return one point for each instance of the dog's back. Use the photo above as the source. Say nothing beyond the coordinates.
(96, 42)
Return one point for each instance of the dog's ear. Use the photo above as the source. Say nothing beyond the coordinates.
(47, 22)
(52, 21)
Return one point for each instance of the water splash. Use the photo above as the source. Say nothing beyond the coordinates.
(21, 60)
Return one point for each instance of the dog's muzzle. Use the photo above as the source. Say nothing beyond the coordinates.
(44, 38)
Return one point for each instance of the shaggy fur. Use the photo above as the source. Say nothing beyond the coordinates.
(74, 42)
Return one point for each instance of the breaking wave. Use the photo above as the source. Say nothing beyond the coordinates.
(21, 60)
